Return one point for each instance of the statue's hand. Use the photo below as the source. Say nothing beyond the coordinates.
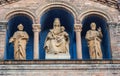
(99, 29)
(11, 40)
(46, 48)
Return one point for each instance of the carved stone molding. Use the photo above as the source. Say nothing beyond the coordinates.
(36, 28)
(112, 25)
(3, 25)
(11, 13)
(78, 27)
(68, 7)
(14, 62)
(3, 2)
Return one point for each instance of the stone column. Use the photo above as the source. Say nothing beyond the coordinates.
(36, 30)
(3, 28)
(78, 29)
(114, 39)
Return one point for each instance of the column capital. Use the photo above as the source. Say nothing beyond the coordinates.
(36, 28)
(111, 23)
(78, 27)
(3, 25)
(4, 22)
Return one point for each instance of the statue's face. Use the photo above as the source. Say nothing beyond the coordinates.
(56, 26)
(93, 26)
(57, 23)
(20, 28)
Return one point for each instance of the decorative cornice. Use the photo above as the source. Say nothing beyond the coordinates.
(4, 2)
(10, 62)
(111, 3)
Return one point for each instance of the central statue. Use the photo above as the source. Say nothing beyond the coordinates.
(57, 40)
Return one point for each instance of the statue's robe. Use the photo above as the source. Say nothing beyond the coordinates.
(19, 40)
(57, 43)
(94, 43)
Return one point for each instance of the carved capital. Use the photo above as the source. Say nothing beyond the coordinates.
(36, 28)
(112, 24)
(78, 27)
(4, 22)
(3, 25)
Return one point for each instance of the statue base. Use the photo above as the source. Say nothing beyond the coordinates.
(57, 56)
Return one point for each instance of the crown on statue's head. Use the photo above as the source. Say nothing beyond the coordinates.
(56, 20)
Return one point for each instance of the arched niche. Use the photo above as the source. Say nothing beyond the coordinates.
(13, 22)
(46, 21)
(105, 44)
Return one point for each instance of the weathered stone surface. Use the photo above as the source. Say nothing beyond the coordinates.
(54, 69)
(79, 8)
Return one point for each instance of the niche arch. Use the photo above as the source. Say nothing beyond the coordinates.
(69, 8)
(13, 22)
(28, 13)
(67, 20)
(101, 21)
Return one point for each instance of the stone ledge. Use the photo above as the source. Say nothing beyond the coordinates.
(62, 67)
(15, 62)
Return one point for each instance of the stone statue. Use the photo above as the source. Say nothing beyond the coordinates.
(19, 39)
(57, 40)
(94, 39)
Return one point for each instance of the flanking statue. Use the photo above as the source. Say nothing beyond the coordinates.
(94, 38)
(19, 39)
(57, 41)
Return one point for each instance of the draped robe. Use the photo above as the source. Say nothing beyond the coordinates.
(19, 40)
(57, 43)
(94, 43)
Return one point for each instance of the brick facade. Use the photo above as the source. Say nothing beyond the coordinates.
(80, 9)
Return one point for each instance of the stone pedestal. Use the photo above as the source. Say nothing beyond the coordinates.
(36, 30)
(58, 56)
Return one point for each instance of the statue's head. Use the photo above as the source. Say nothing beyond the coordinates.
(20, 27)
(56, 22)
(93, 26)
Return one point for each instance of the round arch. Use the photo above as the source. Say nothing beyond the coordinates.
(66, 7)
(101, 20)
(97, 12)
(27, 13)
(13, 21)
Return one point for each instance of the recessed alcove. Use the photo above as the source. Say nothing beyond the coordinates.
(105, 44)
(66, 19)
(12, 28)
